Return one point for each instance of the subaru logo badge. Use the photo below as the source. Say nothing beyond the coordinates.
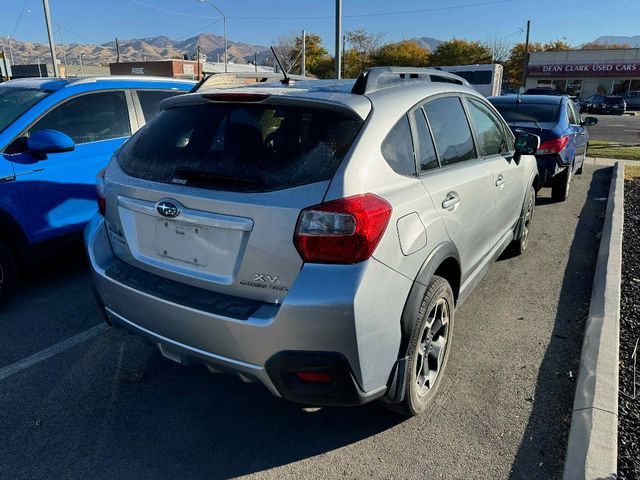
(167, 208)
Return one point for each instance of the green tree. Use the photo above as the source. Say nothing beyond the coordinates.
(316, 54)
(557, 46)
(513, 66)
(460, 52)
(359, 54)
(406, 53)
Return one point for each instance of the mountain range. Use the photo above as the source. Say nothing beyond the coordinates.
(137, 49)
(610, 39)
(162, 48)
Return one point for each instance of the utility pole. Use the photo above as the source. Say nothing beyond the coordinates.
(255, 60)
(81, 69)
(10, 49)
(198, 56)
(304, 54)
(47, 16)
(338, 56)
(525, 62)
(6, 67)
(64, 55)
(117, 51)
(39, 68)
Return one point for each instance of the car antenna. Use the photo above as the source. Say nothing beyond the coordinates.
(202, 81)
(286, 80)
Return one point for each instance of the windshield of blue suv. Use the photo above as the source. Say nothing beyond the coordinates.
(240, 147)
(529, 112)
(14, 102)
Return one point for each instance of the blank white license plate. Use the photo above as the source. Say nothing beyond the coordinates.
(183, 242)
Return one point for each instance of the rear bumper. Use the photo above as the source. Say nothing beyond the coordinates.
(327, 320)
(548, 167)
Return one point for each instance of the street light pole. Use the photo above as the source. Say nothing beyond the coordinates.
(224, 22)
(10, 49)
(64, 55)
(47, 16)
(338, 57)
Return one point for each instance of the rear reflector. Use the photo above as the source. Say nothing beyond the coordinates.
(555, 145)
(342, 231)
(314, 377)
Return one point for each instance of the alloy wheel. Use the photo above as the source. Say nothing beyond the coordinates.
(432, 347)
(526, 225)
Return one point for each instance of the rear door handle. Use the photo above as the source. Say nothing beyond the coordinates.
(500, 181)
(451, 200)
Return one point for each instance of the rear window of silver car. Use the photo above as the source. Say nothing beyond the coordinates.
(240, 147)
(529, 112)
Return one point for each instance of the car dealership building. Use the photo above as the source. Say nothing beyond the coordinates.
(586, 72)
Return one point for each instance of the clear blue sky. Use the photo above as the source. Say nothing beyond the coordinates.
(260, 21)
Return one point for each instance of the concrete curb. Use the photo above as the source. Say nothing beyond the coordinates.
(592, 450)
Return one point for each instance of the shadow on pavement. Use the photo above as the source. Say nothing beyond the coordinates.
(146, 417)
(554, 391)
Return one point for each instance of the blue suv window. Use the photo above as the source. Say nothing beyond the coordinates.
(89, 118)
(150, 101)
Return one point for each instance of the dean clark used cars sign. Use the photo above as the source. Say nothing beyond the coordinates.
(591, 69)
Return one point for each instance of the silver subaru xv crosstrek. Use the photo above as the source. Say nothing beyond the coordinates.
(316, 237)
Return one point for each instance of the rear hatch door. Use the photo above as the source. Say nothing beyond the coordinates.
(209, 193)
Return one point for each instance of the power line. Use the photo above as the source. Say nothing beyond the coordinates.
(24, 8)
(199, 30)
(173, 12)
(377, 14)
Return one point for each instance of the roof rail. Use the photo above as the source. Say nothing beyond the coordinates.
(379, 78)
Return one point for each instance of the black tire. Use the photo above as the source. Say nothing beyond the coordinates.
(561, 184)
(416, 399)
(8, 272)
(519, 245)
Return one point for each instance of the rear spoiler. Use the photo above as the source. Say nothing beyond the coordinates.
(239, 79)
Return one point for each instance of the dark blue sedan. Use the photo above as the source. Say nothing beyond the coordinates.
(563, 136)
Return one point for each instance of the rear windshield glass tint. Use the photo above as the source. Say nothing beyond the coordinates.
(237, 147)
(528, 112)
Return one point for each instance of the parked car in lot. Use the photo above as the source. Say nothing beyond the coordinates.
(605, 105)
(632, 100)
(55, 135)
(316, 237)
(589, 104)
(612, 105)
(561, 129)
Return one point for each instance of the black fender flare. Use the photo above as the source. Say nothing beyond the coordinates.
(442, 252)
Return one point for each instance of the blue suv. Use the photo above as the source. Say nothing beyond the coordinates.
(55, 136)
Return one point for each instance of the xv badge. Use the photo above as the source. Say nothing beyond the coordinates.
(265, 278)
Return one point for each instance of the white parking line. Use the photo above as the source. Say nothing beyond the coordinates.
(51, 351)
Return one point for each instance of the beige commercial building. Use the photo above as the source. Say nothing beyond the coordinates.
(586, 72)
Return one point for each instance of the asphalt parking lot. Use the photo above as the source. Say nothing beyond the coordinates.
(615, 128)
(112, 407)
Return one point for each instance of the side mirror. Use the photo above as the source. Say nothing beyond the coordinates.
(42, 142)
(526, 143)
(589, 121)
